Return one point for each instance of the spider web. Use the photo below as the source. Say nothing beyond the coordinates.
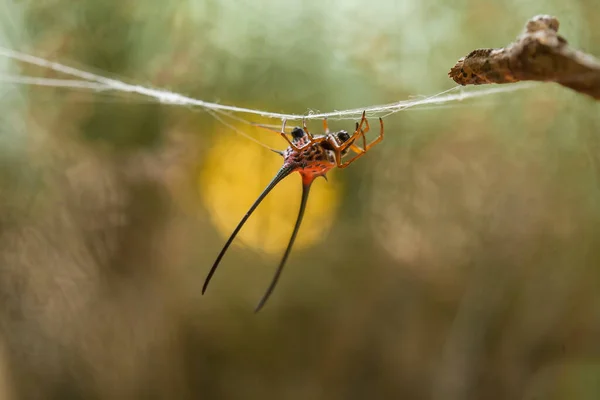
(90, 81)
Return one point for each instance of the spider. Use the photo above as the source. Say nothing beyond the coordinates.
(312, 157)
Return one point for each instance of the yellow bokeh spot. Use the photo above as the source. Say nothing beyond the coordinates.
(235, 173)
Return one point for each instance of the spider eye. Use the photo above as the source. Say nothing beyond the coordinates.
(297, 133)
(343, 136)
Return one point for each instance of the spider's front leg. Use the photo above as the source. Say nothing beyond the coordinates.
(311, 139)
(359, 131)
(379, 138)
(298, 133)
(361, 152)
(339, 142)
(348, 142)
(363, 132)
(283, 135)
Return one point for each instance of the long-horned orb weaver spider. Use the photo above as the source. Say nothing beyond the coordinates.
(312, 157)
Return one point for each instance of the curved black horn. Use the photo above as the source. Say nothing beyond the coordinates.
(282, 173)
(303, 201)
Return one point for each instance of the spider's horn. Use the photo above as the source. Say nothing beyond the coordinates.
(303, 201)
(278, 152)
(282, 173)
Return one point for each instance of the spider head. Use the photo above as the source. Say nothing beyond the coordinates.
(299, 136)
(342, 136)
(297, 133)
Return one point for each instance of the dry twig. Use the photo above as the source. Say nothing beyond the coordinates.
(539, 54)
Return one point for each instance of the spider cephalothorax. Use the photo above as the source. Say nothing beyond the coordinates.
(312, 157)
(311, 160)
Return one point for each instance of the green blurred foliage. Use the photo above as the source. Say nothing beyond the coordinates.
(463, 263)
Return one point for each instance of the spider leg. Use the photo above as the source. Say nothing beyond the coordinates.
(283, 135)
(363, 132)
(356, 149)
(283, 172)
(281, 132)
(303, 201)
(311, 139)
(337, 147)
(350, 161)
(350, 143)
(325, 126)
(359, 130)
(379, 137)
(340, 148)
(367, 148)
(338, 155)
(310, 136)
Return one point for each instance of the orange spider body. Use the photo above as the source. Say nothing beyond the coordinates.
(312, 160)
(312, 157)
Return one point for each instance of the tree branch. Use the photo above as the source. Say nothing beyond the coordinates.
(539, 54)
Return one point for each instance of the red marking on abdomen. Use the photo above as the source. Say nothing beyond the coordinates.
(311, 172)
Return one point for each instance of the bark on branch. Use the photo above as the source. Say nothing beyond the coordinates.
(539, 54)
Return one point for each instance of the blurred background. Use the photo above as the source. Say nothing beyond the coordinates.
(459, 259)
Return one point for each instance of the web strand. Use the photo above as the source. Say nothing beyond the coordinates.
(67, 83)
(214, 114)
(97, 82)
